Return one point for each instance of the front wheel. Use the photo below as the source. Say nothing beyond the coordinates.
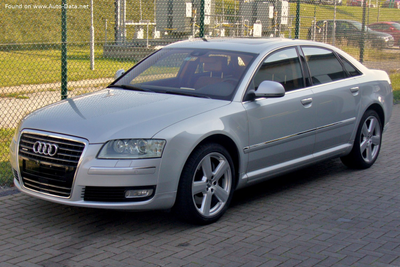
(206, 185)
(367, 143)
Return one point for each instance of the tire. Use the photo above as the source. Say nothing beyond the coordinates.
(367, 143)
(206, 185)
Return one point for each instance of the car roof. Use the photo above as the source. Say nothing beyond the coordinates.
(249, 45)
(347, 20)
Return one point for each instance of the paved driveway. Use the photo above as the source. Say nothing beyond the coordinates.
(325, 215)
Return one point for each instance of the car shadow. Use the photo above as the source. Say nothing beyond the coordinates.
(292, 180)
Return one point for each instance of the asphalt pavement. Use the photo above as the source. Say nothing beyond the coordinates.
(324, 215)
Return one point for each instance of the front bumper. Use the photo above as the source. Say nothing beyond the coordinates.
(98, 183)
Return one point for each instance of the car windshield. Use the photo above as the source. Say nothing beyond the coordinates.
(358, 25)
(193, 72)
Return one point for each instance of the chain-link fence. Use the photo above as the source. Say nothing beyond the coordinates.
(49, 51)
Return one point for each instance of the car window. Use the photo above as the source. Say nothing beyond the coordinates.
(344, 26)
(323, 65)
(396, 26)
(375, 27)
(349, 67)
(340, 26)
(282, 66)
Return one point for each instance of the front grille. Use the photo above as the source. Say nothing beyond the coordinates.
(112, 194)
(52, 175)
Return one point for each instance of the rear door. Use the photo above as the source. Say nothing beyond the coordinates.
(336, 99)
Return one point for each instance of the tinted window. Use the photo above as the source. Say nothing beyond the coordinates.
(282, 66)
(323, 65)
(376, 27)
(349, 67)
(194, 72)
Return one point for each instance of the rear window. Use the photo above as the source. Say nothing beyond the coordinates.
(349, 67)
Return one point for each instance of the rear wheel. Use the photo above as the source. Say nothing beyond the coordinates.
(367, 143)
(206, 185)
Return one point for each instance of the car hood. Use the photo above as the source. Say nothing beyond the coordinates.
(114, 113)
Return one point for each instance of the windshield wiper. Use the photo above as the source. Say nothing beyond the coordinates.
(186, 94)
(129, 87)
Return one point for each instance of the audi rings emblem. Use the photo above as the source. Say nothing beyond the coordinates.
(43, 148)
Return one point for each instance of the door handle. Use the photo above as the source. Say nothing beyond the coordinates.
(307, 102)
(355, 90)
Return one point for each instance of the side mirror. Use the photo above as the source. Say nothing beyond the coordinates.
(119, 73)
(267, 89)
(270, 89)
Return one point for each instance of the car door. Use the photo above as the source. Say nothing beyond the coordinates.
(280, 129)
(336, 99)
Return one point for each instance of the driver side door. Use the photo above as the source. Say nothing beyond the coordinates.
(281, 132)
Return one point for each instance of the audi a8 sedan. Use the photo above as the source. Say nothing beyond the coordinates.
(198, 119)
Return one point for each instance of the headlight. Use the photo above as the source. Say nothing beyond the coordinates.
(386, 38)
(132, 149)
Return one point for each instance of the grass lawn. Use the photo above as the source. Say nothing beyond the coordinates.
(44, 66)
(5, 168)
(396, 86)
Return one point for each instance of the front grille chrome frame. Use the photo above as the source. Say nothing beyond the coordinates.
(51, 176)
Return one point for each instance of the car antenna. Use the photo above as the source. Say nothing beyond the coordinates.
(204, 39)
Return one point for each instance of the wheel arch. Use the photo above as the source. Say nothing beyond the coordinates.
(192, 207)
(229, 145)
(379, 110)
(364, 156)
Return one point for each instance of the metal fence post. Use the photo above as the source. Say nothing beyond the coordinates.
(297, 30)
(362, 41)
(334, 24)
(91, 37)
(64, 68)
(201, 34)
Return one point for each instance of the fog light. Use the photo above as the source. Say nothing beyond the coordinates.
(138, 193)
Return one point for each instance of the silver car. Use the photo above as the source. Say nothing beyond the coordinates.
(195, 121)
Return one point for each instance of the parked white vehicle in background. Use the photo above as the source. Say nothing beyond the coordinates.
(197, 120)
